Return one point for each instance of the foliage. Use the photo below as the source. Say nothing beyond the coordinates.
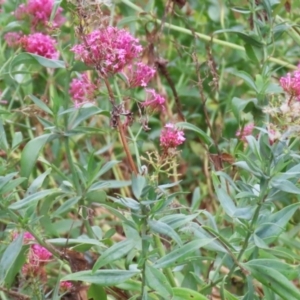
(149, 150)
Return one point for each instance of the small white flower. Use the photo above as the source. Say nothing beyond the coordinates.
(285, 108)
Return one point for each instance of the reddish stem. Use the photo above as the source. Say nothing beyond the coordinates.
(121, 129)
(125, 145)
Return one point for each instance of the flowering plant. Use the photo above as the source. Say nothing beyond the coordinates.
(145, 157)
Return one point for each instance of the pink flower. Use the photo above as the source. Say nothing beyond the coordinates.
(154, 100)
(109, 49)
(39, 254)
(274, 134)
(82, 90)
(65, 285)
(291, 83)
(37, 257)
(26, 238)
(39, 12)
(171, 137)
(40, 44)
(139, 74)
(13, 38)
(247, 130)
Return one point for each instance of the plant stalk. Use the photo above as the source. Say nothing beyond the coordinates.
(204, 36)
(162, 253)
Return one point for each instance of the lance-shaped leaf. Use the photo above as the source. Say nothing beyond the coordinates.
(178, 255)
(101, 277)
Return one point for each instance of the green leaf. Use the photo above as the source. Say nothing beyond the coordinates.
(106, 167)
(274, 224)
(254, 146)
(55, 7)
(126, 202)
(29, 58)
(289, 271)
(21, 259)
(254, 53)
(114, 253)
(73, 242)
(115, 212)
(9, 257)
(253, 169)
(157, 281)
(12, 184)
(274, 280)
(293, 172)
(101, 277)
(17, 140)
(196, 199)
(31, 152)
(6, 179)
(138, 184)
(178, 220)
(245, 37)
(67, 205)
(186, 294)
(24, 203)
(98, 186)
(96, 292)
(285, 186)
(179, 254)
(116, 184)
(247, 78)
(244, 212)
(37, 182)
(238, 105)
(3, 139)
(201, 232)
(84, 113)
(201, 133)
(41, 104)
(168, 185)
(163, 228)
(225, 200)
(12, 26)
(229, 296)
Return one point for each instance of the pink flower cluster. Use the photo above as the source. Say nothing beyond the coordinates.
(291, 83)
(40, 44)
(39, 13)
(247, 130)
(37, 257)
(139, 74)
(82, 90)
(154, 100)
(65, 285)
(13, 38)
(108, 49)
(171, 137)
(111, 50)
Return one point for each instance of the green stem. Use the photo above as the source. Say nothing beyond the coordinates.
(162, 253)
(204, 289)
(77, 186)
(253, 222)
(15, 217)
(251, 227)
(291, 31)
(145, 247)
(75, 178)
(205, 37)
(136, 150)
